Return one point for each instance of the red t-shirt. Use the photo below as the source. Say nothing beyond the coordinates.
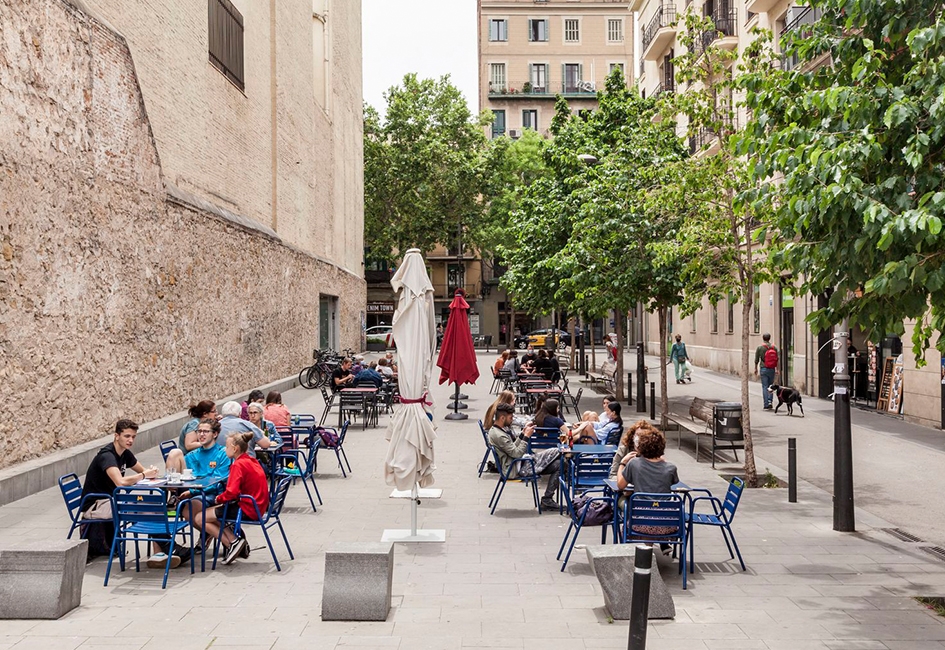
(247, 477)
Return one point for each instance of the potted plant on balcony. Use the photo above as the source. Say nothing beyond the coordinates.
(527, 87)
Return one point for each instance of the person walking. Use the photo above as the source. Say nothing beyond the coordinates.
(680, 358)
(766, 364)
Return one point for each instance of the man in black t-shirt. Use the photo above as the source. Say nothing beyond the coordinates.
(107, 470)
(342, 377)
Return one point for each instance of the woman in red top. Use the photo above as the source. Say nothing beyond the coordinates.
(246, 477)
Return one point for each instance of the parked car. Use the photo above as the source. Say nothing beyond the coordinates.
(538, 339)
(380, 335)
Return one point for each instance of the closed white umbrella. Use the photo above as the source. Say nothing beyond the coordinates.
(409, 461)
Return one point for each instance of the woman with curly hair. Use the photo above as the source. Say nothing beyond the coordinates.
(626, 449)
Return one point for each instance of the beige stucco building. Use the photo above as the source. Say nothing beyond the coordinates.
(713, 334)
(181, 204)
(531, 51)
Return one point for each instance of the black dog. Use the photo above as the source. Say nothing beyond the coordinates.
(786, 395)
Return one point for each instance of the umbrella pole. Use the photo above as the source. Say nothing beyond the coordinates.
(413, 510)
(457, 405)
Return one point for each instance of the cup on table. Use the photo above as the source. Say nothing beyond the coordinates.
(188, 475)
(173, 478)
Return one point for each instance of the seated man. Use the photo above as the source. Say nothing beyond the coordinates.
(209, 460)
(509, 447)
(105, 473)
(370, 376)
(342, 377)
(390, 361)
(231, 423)
(530, 356)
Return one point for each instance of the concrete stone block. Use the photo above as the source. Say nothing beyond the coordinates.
(42, 579)
(358, 582)
(613, 566)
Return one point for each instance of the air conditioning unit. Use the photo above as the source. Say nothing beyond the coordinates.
(515, 134)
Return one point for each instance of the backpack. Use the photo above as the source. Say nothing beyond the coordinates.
(600, 513)
(771, 357)
(329, 437)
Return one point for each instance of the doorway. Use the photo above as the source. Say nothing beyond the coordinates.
(787, 335)
(328, 322)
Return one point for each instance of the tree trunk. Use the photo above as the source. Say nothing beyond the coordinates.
(571, 323)
(619, 382)
(664, 396)
(593, 349)
(751, 473)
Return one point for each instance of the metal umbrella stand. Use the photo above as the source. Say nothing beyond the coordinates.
(457, 360)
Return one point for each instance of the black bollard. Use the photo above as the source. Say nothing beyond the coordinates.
(792, 470)
(629, 389)
(652, 400)
(640, 597)
(587, 365)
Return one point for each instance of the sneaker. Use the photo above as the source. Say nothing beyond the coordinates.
(768, 407)
(549, 503)
(159, 561)
(244, 554)
(234, 551)
(491, 468)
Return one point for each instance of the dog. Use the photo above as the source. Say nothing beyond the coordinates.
(786, 395)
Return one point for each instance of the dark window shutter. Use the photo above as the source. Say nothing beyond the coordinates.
(225, 29)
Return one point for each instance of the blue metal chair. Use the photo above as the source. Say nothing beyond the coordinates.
(306, 465)
(337, 447)
(589, 471)
(526, 474)
(577, 522)
(72, 495)
(265, 522)
(543, 438)
(304, 420)
(721, 516)
(657, 519)
(167, 447)
(329, 402)
(485, 457)
(141, 515)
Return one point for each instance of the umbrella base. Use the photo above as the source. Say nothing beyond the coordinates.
(463, 396)
(422, 493)
(456, 416)
(457, 406)
(406, 535)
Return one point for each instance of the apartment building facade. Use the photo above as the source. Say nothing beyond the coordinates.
(713, 334)
(531, 51)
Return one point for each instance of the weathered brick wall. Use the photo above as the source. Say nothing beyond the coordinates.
(116, 301)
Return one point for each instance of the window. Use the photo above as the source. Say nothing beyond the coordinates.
(498, 29)
(615, 30)
(572, 30)
(756, 310)
(225, 26)
(539, 77)
(714, 325)
(497, 77)
(530, 119)
(730, 315)
(615, 66)
(572, 74)
(538, 30)
(498, 124)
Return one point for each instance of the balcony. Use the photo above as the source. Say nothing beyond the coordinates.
(446, 291)
(798, 28)
(659, 32)
(528, 91)
(760, 6)
(667, 86)
(378, 277)
(725, 34)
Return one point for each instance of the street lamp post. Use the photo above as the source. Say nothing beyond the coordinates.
(843, 516)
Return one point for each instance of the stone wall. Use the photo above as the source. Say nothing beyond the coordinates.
(121, 296)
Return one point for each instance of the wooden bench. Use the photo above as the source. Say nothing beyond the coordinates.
(698, 424)
(607, 376)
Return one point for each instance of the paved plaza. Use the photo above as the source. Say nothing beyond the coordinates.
(495, 583)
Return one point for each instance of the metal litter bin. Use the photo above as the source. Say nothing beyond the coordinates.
(727, 429)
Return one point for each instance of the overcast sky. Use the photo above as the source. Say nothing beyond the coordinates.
(429, 37)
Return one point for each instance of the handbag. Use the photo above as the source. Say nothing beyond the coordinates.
(600, 513)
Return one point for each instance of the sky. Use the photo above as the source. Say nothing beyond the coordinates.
(429, 37)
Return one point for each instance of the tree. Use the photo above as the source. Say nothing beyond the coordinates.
(718, 238)
(859, 145)
(423, 181)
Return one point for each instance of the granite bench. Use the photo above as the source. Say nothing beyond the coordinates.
(358, 581)
(613, 566)
(42, 579)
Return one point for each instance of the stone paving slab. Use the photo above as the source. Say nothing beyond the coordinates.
(495, 583)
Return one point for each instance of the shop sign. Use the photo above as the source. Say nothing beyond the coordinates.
(380, 308)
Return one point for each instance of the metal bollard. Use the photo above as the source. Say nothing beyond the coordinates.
(652, 400)
(629, 389)
(792, 470)
(640, 597)
(587, 365)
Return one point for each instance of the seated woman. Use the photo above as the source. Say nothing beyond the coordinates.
(246, 477)
(648, 472)
(500, 362)
(505, 397)
(542, 365)
(275, 412)
(595, 431)
(548, 417)
(627, 449)
(255, 395)
(257, 417)
(188, 438)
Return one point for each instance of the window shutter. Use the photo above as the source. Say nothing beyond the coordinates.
(564, 78)
(545, 24)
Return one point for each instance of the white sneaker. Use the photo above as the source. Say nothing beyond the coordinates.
(159, 561)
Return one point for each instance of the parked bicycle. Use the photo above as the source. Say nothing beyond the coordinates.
(318, 374)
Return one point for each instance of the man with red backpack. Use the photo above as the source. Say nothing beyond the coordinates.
(766, 356)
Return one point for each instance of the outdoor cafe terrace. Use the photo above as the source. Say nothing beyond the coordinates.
(497, 580)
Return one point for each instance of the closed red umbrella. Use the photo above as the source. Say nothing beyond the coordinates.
(457, 359)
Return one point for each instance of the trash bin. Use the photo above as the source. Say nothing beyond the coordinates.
(727, 429)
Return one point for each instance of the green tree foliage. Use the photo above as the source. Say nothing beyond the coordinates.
(423, 164)
(856, 133)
